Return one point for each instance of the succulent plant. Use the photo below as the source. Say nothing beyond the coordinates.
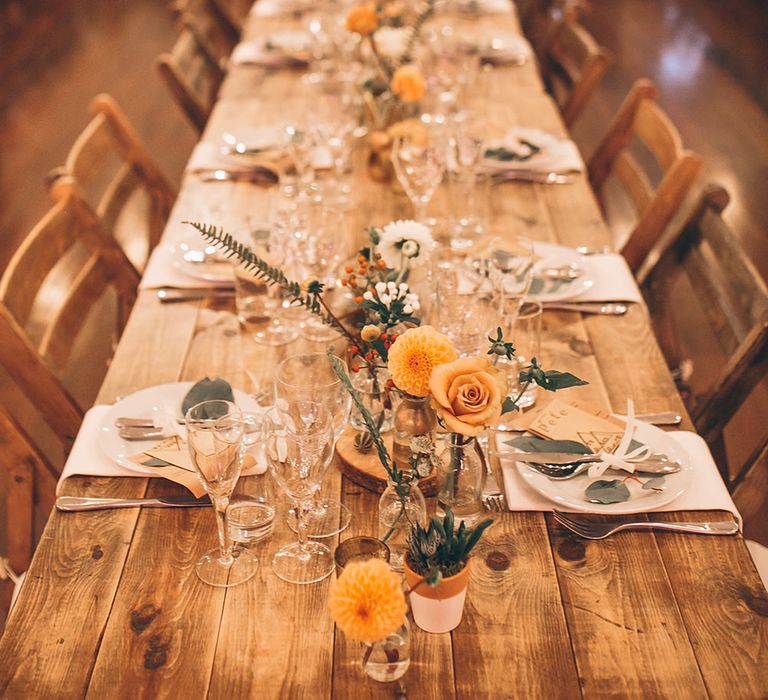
(438, 551)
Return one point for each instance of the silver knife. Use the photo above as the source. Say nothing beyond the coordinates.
(169, 294)
(655, 465)
(608, 308)
(78, 503)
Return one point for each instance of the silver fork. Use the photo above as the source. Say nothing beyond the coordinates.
(598, 531)
(492, 496)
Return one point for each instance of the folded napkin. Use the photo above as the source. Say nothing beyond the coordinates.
(506, 48)
(165, 268)
(484, 7)
(555, 154)
(209, 155)
(612, 280)
(278, 8)
(706, 490)
(87, 458)
(282, 50)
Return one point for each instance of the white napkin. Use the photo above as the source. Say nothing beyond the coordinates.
(556, 155)
(612, 280)
(284, 49)
(165, 269)
(277, 8)
(208, 155)
(705, 492)
(86, 457)
(506, 48)
(485, 7)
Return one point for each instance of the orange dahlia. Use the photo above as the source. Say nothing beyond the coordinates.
(367, 601)
(414, 355)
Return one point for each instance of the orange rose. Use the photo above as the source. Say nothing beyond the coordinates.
(363, 19)
(467, 394)
(408, 83)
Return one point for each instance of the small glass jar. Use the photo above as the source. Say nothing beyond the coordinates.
(460, 479)
(389, 658)
(400, 507)
(376, 397)
(414, 417)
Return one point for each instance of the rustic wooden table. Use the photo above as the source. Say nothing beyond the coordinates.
(112, 607)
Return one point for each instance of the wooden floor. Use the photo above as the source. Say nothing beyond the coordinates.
(709, 58)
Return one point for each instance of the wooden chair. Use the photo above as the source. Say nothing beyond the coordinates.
(640, 121)
(539, 18)
(215, 31)
(65, 267)
(192, 77)
(734, 301)
(28, 482)
(572, 66)
(111, 168)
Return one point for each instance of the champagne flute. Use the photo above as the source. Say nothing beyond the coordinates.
(215, 439)
(299, 449)
(419, 169)
(310, 377)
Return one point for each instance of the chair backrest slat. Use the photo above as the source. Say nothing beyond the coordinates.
(640, 120)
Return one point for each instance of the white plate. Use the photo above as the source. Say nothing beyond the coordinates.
(553, 255)
(150, 402)
(219, 271)
(569, 494)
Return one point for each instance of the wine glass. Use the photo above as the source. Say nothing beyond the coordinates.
(299, 449)
(310, 377)
(215, 438)
(510, 261)
(419, 169)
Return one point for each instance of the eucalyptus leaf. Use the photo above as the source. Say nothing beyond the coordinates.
(553, 379)
(655, 483)
(605, 492)
(528, 443)
(207, 390)
(155, 462)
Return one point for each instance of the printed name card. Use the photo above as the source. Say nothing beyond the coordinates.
(579, 421)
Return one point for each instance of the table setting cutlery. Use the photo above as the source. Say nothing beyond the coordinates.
(72, 504)
(598, 530)
(169, 295)
(256, 175)
(536, 177)
(589, 307)
(655, 464)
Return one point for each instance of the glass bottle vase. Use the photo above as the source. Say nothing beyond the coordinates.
(460, 479)
(376, 397)
(389, 658)
(413, 417)
(400, 507)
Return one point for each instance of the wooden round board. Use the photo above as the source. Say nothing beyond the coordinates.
(366, 470)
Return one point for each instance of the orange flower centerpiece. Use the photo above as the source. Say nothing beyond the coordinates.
(368, 605)
(395, 84)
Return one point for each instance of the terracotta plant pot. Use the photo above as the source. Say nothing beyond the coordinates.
(438, 609)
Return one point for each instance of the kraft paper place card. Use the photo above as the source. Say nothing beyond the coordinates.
(170, 460)
(579, 421)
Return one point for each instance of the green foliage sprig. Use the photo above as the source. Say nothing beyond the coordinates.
(439, 551)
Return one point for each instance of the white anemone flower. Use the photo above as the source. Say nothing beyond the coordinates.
(402, 240)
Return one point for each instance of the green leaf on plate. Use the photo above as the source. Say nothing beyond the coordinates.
(605, 492)
(657, 484)
(154, 462)
(528, 443)
(207, 390)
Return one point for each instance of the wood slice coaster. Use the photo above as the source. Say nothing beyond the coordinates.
(366, 470)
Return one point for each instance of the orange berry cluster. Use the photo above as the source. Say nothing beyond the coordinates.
(365, 268)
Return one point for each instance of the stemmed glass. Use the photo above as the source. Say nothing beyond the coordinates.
(510, 262)
(419, 169)
(310, 377)
(215, 438)
(299, 449)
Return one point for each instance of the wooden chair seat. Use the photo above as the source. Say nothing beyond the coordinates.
(60, 273)
(640, 142)
(572, 66)
(192, 76)
(707, 256)
(112, 170)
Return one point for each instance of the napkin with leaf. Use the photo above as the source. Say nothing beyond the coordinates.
(289, 49)
(266, 166)
(532, 150)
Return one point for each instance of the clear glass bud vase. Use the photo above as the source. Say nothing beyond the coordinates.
(460, 479)
(414, 417)
(400, 507)
(376, 397)
(389, 658)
